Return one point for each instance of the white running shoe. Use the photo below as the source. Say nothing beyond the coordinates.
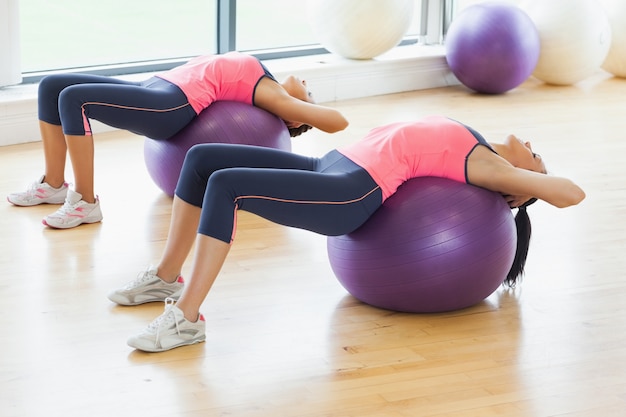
(147, 288)
(168, 331)
(39, 192)
(74, 212)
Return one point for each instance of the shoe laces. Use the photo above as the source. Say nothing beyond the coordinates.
(165, 319)
(68, 207)
(142, 277)
(33, 187)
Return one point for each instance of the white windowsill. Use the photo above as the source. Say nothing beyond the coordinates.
(330, 77)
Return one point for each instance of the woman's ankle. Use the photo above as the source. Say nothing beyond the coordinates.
(53, 182)
(166, 276)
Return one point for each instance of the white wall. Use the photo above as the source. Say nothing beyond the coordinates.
(9, 43)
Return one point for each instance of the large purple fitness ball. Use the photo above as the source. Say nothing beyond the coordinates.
(221, 122)
(435, 245)
(492, 47)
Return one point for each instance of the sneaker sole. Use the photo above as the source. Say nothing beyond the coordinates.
(84, 221)
(124, 303)
(35, 203)
(156, 350)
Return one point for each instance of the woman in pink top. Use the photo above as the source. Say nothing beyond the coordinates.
(158, 108)
(331, 195)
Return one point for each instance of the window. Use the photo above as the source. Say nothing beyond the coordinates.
(272, 24)
(116, 36)
(283, 24)
(62, 34)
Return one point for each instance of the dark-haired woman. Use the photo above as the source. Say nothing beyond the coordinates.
(158, 108)
(331, 195)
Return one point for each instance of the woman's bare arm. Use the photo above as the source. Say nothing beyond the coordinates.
(496, 174)
(273, 98)
(321, 117)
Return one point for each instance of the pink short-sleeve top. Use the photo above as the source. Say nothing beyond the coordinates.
(434, 146)
(209, 78)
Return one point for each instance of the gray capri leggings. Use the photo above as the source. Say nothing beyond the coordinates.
(330, 195)
(155, 108)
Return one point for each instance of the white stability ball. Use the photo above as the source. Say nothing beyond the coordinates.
(615, 62)
(575, 36)
(360, 29)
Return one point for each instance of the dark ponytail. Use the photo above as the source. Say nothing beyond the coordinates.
(522, 224)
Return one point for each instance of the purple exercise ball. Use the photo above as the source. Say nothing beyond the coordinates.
(221, 122)
(492, 47)
(435, 245)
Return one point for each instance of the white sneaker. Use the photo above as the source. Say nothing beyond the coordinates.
(147, 288)
(168, 331)
(39, 192)
(74, 212)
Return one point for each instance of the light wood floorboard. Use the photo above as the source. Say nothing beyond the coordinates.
(285, 339)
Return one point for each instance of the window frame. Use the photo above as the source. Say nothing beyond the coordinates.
(435, 18)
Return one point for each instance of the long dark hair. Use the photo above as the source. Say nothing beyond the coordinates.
(297, 131)
(522, 224)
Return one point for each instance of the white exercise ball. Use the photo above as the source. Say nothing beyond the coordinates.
(575, 37)
(615, 61)
(360, 29)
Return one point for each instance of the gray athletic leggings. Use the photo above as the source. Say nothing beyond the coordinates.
(155, 108)
(330, 195)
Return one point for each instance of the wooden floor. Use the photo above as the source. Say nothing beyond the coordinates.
(285, 339)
